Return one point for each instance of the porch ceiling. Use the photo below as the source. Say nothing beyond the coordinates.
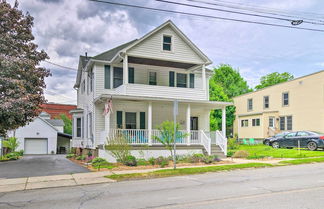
(201, 103)
(161, 63)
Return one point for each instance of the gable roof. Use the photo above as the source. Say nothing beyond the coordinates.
(179, 32)
(55, 122)
(46, 122)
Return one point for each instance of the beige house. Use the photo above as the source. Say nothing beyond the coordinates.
(290, 106)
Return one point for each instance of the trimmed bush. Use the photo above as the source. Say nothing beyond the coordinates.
(232, 144)
(230, 154)
(208, 159)
(98, 161)
(241, 154)
(130, 161)
(70, 156)
(162, 161)
(142, 161)
(196, 158)
(151, 160)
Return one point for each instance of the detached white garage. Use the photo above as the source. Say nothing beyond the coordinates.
(36, 146)
(43, 136)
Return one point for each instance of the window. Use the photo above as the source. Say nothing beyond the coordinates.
(285, 99)
(107, 76)
(192, 80)
(290, 135)
(78, 127)
(302, 133)
(244, 123)
(286, 123)
(131, 74)
(171, 78)
(266, 102)
(152, 78)
(119, 119)
(118, 76)
(256, 122)
(130, 122)
(90, 124)
(250, 104)
(181, 80)
(282, 123)
(271, 122)
(289, 123)
(167, 43)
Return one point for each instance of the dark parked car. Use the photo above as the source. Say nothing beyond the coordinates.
(267, 141)
(307, 139)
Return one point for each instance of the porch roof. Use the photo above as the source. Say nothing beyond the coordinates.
(206, 103)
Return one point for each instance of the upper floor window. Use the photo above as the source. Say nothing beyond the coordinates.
(266, 102)
(118, 76)
(285, 99)
(152, 78)
(244, 123)
(250, 104)
(181, 80)
(167, 41)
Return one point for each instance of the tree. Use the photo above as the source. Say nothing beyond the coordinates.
(21, 78)
(225, 84)
(12, 143)
(274, 78)
(67, 123)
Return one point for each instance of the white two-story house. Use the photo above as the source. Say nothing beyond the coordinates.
(143, 78)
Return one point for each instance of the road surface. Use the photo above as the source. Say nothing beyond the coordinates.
(286, 187)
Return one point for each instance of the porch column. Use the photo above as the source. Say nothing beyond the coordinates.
(224, 121)
(149, 122)
(125, 69)
(107, 126)
(203, 76)
(188, 113)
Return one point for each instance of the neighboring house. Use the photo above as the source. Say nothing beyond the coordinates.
(143, 77)
(43, 136)
(55, 110)
(290, 106)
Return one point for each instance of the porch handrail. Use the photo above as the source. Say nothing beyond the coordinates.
(205, 141)
(221, 141)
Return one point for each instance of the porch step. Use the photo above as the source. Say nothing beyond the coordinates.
(216, 150)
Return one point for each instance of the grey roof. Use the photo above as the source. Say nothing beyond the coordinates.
(55, 122)
(108, 55)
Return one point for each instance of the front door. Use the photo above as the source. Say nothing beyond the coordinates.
(193, 123)
(130, 120)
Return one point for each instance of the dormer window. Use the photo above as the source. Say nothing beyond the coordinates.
(167, 41)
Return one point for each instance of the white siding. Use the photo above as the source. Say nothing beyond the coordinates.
(152, 48)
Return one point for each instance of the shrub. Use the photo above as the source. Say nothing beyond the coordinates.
(3, 158)
(70, 155)
(230, 153)
(241, 154)
(20, 152)
(12, 143)
(118, 148)
(81, 157)
(142, 161)
(151, 160)
(98, 161)
(208, 159)
(232, 144)
(162, 161)
(196, 158)
(89, 159)
(12, 156)
(130, 161)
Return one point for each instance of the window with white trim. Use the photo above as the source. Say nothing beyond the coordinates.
(285, 99)
(244, 123)
(250, 104)
(167, 43)
(266, 102)
(256, 122)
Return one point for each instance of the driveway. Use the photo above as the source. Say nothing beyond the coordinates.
(39, 165)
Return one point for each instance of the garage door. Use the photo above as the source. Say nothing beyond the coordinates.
(35, 146)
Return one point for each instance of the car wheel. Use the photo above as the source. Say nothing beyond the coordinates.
(275, 145)
(289, 147)
(312, 146)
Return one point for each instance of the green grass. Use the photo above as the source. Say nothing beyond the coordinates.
(257, 151)
(303, 161)
(185, 171)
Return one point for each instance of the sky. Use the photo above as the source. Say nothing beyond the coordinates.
(66, 29)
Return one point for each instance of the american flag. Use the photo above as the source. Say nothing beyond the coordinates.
(108, 107)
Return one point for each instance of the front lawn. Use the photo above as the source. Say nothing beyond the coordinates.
(185, 171)
(261, 151)
(303, 161)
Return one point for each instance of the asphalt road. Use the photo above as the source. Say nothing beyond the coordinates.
(289, 187)
(39, 165)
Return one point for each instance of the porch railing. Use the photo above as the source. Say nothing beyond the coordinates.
(83, 143)
(141, 136)
(221, 141)
(205, 141)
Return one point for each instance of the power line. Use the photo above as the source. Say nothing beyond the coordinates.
(58, 65)
(207, 16)
(261, 11)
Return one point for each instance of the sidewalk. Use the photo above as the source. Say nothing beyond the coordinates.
(40, 182)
